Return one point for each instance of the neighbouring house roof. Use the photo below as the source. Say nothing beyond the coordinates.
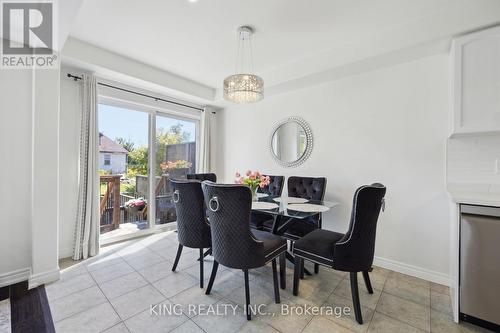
(106, 145)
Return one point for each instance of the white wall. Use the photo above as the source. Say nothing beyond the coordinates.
(388, 126)
(15, 170)
(118, 162)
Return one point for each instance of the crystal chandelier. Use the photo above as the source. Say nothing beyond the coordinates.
(244, 87)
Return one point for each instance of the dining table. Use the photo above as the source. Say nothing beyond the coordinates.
(288, 210)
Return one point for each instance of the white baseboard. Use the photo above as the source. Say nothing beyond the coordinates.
(36, 280)
(16, 276)
(415, 271)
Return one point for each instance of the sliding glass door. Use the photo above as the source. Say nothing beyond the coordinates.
(175, 142)
(123, 170)
(140, 149)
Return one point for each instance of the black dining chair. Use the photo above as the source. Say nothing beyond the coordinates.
(310, 188)
(351, 252)
(234, 244)
(202, 176)
(274, 188)
(192, 228)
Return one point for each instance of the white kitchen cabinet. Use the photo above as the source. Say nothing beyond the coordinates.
(476, 82)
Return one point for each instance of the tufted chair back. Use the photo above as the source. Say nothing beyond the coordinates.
(229, 209)
(275, 187)
(192, 228)
(203, 176)
(307, 187)
(354, 252)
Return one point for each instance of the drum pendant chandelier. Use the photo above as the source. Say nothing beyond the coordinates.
(244, 86)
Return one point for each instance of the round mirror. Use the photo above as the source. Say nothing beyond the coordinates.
(291, 142)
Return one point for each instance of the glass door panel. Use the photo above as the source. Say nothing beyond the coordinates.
(175, 158)
(123, 170)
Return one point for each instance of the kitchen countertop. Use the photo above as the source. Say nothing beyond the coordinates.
(475, 194)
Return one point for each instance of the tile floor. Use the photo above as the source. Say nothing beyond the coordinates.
(5, 322)
(114, 292)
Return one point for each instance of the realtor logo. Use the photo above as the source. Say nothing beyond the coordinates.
(28, 34)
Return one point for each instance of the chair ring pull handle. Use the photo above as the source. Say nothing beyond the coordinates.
(214, 199)
(176, 197)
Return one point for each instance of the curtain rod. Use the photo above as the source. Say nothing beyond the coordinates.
(76, 78)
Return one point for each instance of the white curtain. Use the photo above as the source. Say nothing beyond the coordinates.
(207, 141)
(87, 220)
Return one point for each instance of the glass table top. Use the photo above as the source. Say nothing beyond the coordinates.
(291, 207)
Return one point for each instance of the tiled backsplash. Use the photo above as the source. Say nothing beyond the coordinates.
(472, 160)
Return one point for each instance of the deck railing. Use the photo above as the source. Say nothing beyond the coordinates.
(112, 207)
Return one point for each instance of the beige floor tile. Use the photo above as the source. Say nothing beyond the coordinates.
(80, 301)
(348, 320)
(440, 288)
(73, 270)
(66, 287)
(441, 302)
(226, 282)
(188, 327)
(406, 311)
(410, 279)
(95, 319)
(122, 285)
(133, 292)
(222, 321)
(119, 328)
(111, 272)
(409, 291)
(175, 283)
(136, 301)
(155, 272)
(320, 324)
(194, 270)
(366, 299)
(5, 316)
(255, 326)
(377, 277)
(257, 297)
(144, 260)
(317, 288)
(102, 260)
(194, 298)
(381, 324)
(155, 322)
(134, 250)
(284, 318)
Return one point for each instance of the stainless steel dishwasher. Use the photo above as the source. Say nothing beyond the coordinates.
(480, 265)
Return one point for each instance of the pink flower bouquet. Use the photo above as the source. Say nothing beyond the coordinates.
(253, 179)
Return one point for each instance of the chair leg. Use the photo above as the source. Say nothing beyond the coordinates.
(177, 257)
(201, 267)
(296, 275)
(275, 281)
(316, 268)
(368, 283)
(302, 268)
(247, 295)
(355, 297)
(212, 277)
(283, 271)
(207, 253)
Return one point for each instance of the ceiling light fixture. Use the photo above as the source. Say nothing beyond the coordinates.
(244, 86)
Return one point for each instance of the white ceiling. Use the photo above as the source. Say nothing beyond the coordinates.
(294, 38)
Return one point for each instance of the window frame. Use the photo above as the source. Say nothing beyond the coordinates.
(106, 158)
(118, 99)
